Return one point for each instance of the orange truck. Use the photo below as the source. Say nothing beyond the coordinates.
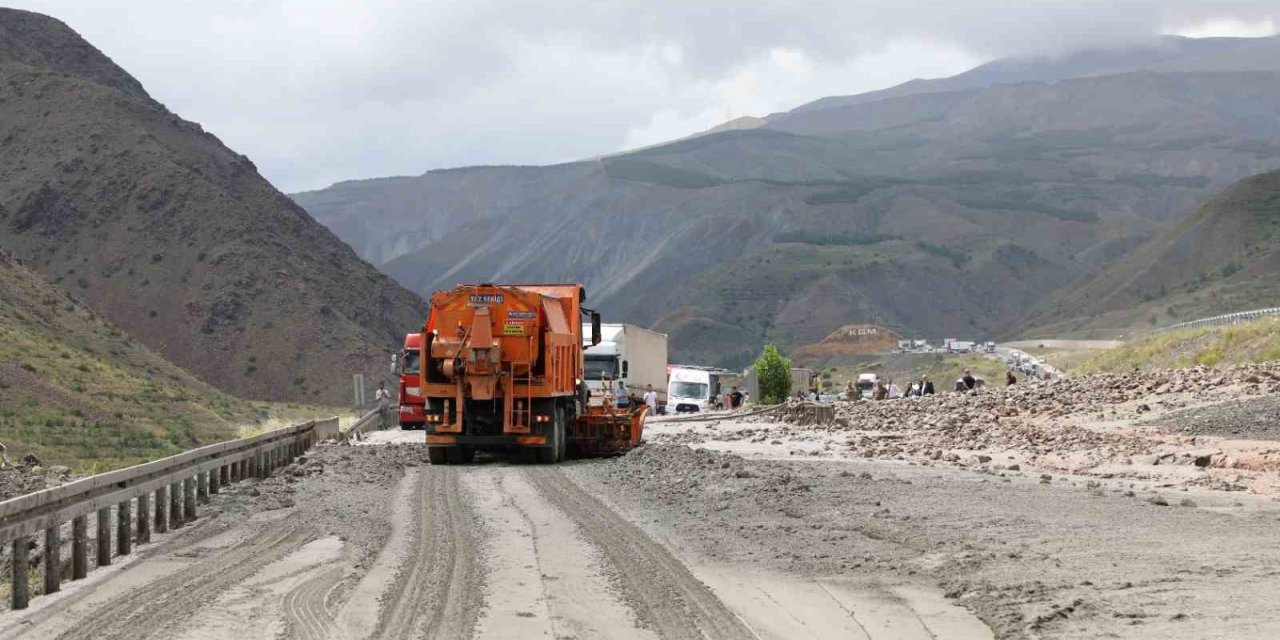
(502, 369)
(410, 402)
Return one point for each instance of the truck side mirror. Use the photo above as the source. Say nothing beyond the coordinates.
(395, 364)
(624, 368)
(596, 336)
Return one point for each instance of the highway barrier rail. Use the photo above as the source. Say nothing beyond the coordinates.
(1226, 319)
(377, 419)
(164, 493)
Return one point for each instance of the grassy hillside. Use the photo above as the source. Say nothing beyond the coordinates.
(1223, 258)
(1256, 341)
(76, 390)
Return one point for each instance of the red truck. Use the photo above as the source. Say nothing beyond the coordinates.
(411, 400)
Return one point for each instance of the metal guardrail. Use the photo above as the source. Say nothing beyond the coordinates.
(377, 419)
(177, 483)
(1216, 321)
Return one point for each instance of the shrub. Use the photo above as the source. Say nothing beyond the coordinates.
(774, 372)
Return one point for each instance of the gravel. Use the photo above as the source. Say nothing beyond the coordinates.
(1031, 559)
(1252, 419)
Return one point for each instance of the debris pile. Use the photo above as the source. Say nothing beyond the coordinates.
(30, 475)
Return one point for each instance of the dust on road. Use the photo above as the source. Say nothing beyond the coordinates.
(371, 542)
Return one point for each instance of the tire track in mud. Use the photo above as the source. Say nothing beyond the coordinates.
(438, 592)
(664, 593)
(307, 606)
(157, 608)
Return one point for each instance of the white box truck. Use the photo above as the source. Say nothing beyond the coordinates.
(634, 355)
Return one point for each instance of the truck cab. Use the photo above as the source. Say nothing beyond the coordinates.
(603, 364)
(411, 400)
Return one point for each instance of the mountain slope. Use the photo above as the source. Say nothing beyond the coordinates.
(74, 388)
(1223, 258)
(936, 214)
(174, 237)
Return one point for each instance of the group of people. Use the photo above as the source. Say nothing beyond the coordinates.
(622, 399)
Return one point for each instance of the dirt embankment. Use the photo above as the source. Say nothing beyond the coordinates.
(1033, 559)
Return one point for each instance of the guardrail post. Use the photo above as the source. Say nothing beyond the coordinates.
(21, 591)
(202, 487)
(104, 536)
(53, 558)
(79, 548)
(144, 518)
(224, 475)
(175, 505)
(189, 492)
(124, 526)
(162, 518)
(215, 480)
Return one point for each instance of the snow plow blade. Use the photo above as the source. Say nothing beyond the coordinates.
(607, 431)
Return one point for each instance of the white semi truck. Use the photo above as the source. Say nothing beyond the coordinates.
(633, 355)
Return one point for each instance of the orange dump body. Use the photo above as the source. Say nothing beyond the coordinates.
(502, 368)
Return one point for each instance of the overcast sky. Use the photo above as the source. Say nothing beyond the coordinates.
(317, 91)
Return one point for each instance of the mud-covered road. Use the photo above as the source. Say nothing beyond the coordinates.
(371, 542)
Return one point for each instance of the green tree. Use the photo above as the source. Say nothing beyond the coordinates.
(774, 372)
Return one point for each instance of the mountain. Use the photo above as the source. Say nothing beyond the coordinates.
(1223, 258)
(74, 387)
(950, 212)
(175, 238)
(1166, 54)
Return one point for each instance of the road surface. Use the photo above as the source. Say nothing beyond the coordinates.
(370, 542)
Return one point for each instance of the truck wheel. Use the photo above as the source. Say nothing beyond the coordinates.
(550, 454)
(562, 436)
(438, 455)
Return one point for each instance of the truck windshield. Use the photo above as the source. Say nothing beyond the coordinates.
(600, 366)
(689, 389)
(411, 362)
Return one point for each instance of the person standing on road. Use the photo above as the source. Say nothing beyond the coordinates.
(970, 383)
(881, 391)
(651, 398)
(620, 394)
(735, 399)
(894, 391)
(1009, 378)
(926, 386)
(382, 396)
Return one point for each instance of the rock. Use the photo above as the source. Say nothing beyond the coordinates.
(1158, 501)
(1014, 467)
(984, 459)
(1187, 502)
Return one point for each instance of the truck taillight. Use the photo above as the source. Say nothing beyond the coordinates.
(434, 417)
(542, 418)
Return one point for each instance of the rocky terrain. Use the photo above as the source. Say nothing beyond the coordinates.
(1032, 558)
(1117, 427)
(174, 238)
(943, 208)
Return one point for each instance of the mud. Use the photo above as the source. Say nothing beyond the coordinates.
(1032, 558)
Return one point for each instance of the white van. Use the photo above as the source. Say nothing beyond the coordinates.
(691, 389)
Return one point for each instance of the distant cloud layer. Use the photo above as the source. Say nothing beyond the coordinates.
(317, 91)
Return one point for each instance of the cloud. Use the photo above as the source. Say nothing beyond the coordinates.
(323, 90)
